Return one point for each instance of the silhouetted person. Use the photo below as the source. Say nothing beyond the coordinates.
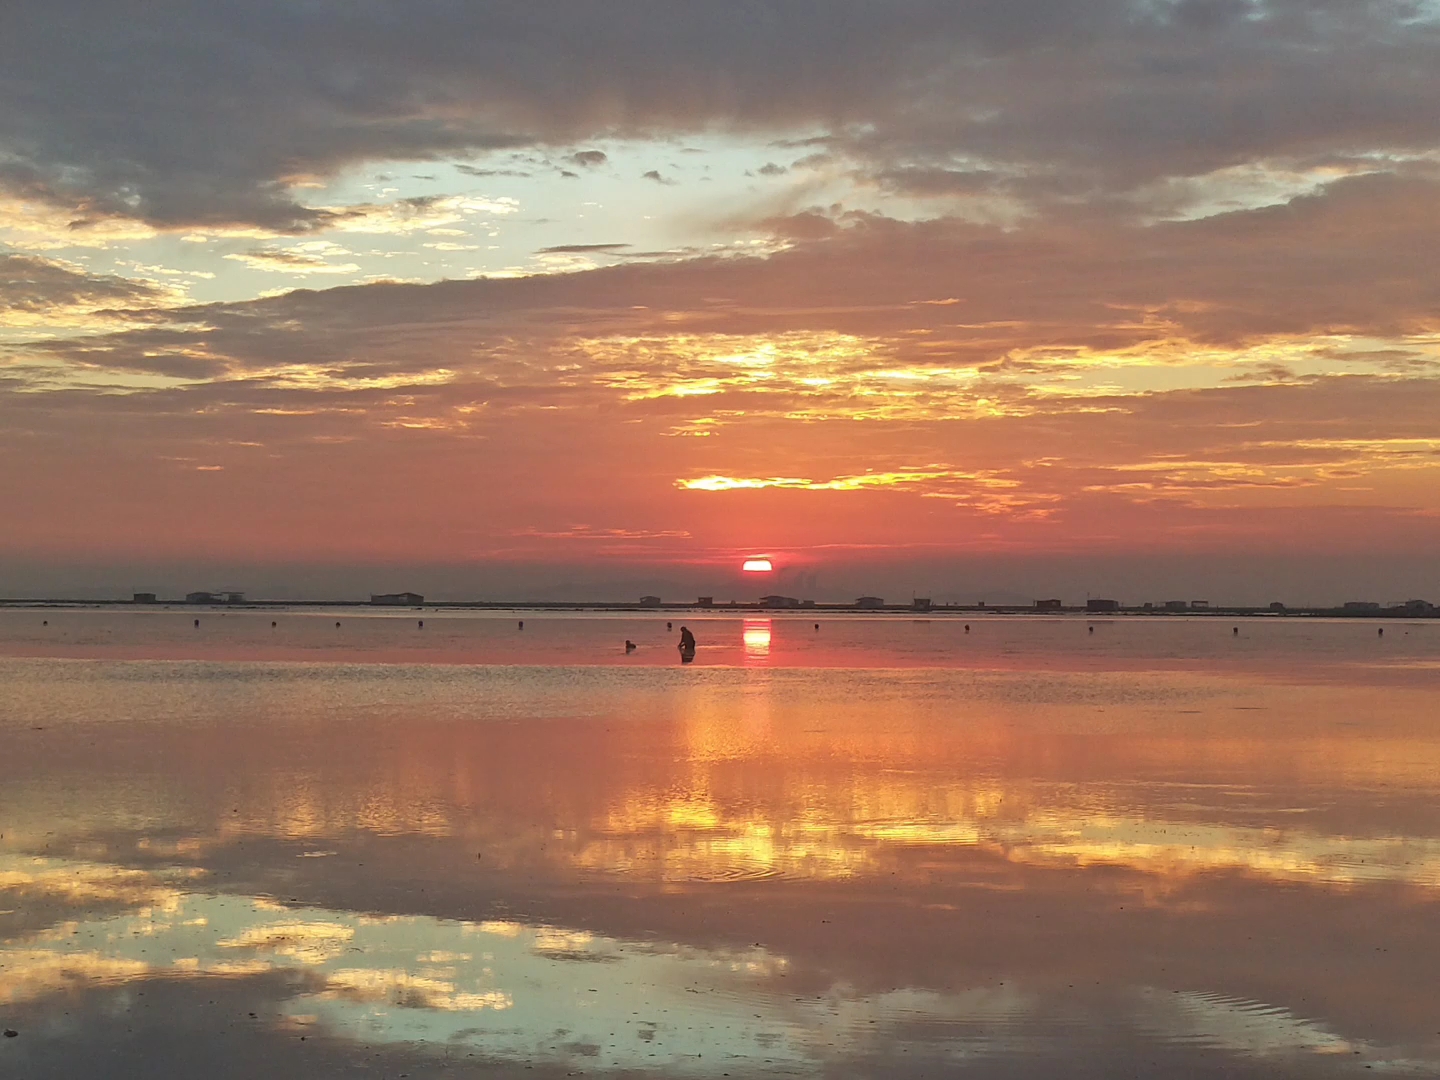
(522, 624)
(1235, 630)
(197, 622)
(337, 625)
(422, 624)
(1091, 629)
(687, 645)
(1382, 631)
(272, 624)
(630, 646)
(817, 626)
(669, 626)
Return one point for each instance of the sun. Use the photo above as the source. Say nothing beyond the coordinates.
(757, 566)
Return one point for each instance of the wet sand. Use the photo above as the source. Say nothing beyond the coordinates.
(885, 848)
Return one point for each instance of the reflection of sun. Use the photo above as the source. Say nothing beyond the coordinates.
(757, 566)
(756, 635)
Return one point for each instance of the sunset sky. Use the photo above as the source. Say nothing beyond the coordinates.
(569, 298)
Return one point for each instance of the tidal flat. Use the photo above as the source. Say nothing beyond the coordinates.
(883, 847)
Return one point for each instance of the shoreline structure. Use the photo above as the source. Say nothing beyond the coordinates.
(1402, 611)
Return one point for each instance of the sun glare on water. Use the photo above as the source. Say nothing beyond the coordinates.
(757, 566)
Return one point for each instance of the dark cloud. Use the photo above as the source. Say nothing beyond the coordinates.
(33, 285)
(580, 249)
(1356, 258)
(915, 180)
(589, 158)
(185, 114)
(654, 174)
(472, 170)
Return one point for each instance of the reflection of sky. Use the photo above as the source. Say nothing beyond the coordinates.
(695, 839)
(159, 817)
(1282, 650)
(547, 994)
(501, 985)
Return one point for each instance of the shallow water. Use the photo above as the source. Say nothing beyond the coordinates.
(883, 848)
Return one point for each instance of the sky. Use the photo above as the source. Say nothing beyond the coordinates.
(966, 299)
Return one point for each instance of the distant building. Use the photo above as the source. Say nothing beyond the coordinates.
(143, 598)
(1199, 605)
(1176, 605)
(807, 603)
(1277, 606)
(1102, 605)
(215, 598)
(705, 601)
(397, 599)
(1416, 607)
(1148, 606)
(920, 603)
(649, 601)
(779, 601)
(1361, 605)
(870, 602)
(1048, 605)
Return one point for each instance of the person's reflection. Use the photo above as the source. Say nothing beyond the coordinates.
(687, 645)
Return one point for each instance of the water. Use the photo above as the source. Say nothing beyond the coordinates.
(884, 848)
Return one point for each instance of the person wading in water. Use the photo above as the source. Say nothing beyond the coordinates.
(687, 645)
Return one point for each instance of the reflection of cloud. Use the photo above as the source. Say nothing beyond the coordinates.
(409, 991)
(1253, 1028)
(307, 942)
(856, 830)
(37, 880)
(27, 974)
(378, 988)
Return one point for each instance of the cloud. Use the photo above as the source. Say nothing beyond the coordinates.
(473, 170)
(32, 285)
(310, 257)
(210, 115)
(581, 249)
(590, 159)
(1052, 385)
(425, 212)
(654, 174)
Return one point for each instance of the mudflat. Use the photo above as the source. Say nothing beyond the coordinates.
(886, 847)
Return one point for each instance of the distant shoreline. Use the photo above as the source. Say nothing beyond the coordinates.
(951, 611)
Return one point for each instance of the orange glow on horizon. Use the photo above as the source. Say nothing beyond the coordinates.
(757, 566)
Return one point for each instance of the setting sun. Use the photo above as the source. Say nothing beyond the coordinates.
(757, 566)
